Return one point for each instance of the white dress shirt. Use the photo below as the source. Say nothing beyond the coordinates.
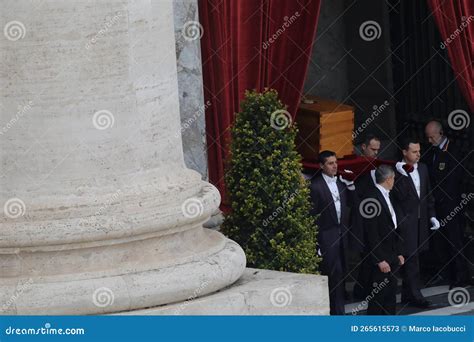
(331, 182)
(386, 195)
(441, 145)
(415, 176)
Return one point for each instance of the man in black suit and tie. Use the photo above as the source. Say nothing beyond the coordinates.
(384, 242)
(331, 197)
(358, 240)
(412, 192)
(446, 175)
(369, 149)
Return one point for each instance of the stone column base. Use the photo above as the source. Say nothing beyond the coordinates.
(257, 292)
(195, 275)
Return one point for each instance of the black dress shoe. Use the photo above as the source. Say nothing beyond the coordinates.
(421, 303)
(437, 281)
(457, 284)
(406, 300)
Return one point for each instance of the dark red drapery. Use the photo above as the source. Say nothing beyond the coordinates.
(251, 44)
(455, 20)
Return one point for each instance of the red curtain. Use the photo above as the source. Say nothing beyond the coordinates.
(455, 20)
(251, 44)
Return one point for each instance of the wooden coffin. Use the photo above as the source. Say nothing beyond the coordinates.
(324, 125)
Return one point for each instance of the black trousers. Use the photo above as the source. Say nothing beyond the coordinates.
(448, 246)
(411, 279)
(363, 270)
(382, 299)
(333, 266)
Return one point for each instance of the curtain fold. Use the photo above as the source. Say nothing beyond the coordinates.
(455, 21)
(251, 44)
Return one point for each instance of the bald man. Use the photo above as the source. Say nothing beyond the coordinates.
(446, 174)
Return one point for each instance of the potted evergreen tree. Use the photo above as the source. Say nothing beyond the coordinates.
(269, 199)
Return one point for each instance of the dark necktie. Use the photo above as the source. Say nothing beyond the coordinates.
(436, 153)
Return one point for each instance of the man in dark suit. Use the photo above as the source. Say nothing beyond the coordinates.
(446, 175)
(369, 149)
(358, 241)
(384, 242)
(412, 192)
(331, 197)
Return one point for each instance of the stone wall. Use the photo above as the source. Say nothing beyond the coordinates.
(190, 86)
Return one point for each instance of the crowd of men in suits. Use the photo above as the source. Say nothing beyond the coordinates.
(390, 215)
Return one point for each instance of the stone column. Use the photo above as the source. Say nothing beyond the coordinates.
(100, 215)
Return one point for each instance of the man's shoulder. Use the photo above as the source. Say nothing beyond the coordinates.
(364, 180)
(452, 151)
(373, 192)
(422, 167)
(316, 179)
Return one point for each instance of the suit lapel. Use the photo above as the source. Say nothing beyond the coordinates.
(422, 181)
(412, 184)
(385, 207)
(329, 199)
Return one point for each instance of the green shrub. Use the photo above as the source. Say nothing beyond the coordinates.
(269, 199)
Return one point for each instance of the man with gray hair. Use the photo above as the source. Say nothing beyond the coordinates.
(446, 176)
(384, 242)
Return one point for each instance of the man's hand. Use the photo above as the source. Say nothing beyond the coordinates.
(348, 177)
(401, 260)
(435, 223)
(384, 267)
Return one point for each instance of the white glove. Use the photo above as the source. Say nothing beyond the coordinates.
(434, 221)
(399, 167)
(350, 184)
